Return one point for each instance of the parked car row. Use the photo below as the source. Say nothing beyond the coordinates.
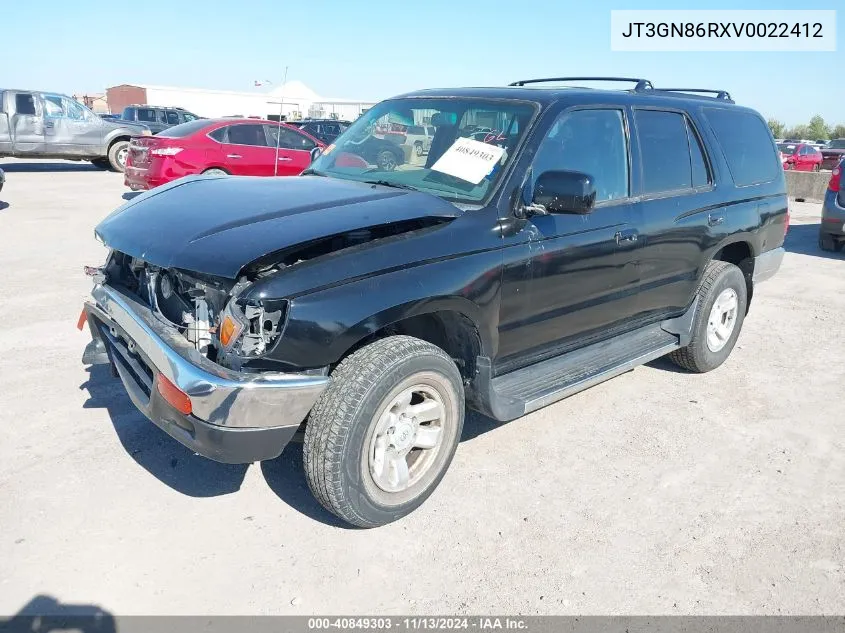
(800, 157)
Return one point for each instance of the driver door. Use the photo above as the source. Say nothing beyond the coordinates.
(576, 280)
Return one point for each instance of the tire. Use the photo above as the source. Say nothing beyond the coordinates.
(827, 243)
(418, 149)
(347, 431)
(725, 282)
(117, 155)
(101, 163)
(386, 160)
(216, 171)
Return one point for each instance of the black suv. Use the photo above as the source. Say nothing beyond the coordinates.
(157, 118)
(365, 309)
(327, 130)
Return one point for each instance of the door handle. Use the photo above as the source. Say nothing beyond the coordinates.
(715, 220)
(625, 236)
(284, 158)
(233, 156)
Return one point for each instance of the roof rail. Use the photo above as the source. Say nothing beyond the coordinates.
(641, 84)
(720, 94)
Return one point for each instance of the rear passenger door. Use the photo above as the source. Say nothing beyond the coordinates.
(676, 192)
(246, 150)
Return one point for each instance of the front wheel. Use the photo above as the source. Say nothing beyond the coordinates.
(722, 302)
(386, 160)
(383, 433)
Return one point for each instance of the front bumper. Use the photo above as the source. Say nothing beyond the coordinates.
(235, 417)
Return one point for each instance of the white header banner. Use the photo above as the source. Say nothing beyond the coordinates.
(723, 30)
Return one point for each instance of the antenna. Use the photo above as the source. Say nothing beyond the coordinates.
(279, 131)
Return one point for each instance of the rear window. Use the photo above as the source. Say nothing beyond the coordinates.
(183, 129)
(746, 144)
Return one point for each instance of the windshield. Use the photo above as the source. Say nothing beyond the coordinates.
(459, 162)
(787, 149)
(837, 144)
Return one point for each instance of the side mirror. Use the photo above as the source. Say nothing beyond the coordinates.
(315, 152)
(565, 192)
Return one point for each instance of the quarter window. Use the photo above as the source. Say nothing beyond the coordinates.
(746, 144)
(172, 117)
(592, 142)
(147, 115)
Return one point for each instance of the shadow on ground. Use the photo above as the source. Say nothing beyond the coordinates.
(44, 614)
(162, 456)
(3, 205)
(178, 467)
(11, 168)
(804, 239)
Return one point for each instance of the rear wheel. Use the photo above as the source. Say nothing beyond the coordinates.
(383, 433)
(117, 155)
(216, 171)
(722, 303)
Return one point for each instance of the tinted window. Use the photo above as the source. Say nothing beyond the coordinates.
(665, 151)
(24, 104)
(219, 135)
(416, 129)
(837, 144)
(289, 139)
(184, 129)
(147, 115)
(248, 134)
(592, 142)
(172, 117)
(747, 145)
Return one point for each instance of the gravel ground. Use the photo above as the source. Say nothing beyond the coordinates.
(658, 492)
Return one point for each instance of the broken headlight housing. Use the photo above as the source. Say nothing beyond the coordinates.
(250, 328)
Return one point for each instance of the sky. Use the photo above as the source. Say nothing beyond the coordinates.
(378, 48)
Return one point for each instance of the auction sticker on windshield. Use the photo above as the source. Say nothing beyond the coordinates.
(469, 160)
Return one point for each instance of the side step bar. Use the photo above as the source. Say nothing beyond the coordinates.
(517, 393)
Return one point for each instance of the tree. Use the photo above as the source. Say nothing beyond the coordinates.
(838, 131)
(777, 128)
(797, 132)
(818, 128)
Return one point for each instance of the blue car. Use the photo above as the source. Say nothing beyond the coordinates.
(832, 228)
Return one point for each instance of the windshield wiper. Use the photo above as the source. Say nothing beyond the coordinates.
(387, 183)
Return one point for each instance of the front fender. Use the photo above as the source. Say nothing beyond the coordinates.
(321, 327)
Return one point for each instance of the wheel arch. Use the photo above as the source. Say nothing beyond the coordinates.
(740, 253)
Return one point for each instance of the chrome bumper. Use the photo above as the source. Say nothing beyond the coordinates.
(219, 397)
(767, 264)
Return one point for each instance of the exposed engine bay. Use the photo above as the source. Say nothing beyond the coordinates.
(207, 310)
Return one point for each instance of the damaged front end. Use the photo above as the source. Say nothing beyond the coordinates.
(180, 341)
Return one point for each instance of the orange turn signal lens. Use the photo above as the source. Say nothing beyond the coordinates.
(82, 319)
(227, 330)
(177, 398)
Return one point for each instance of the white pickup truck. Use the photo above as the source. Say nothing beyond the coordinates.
(36, 124)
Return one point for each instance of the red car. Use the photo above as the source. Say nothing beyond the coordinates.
(800, 157)
(241, 147)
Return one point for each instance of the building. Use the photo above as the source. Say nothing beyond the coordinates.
(94, 101)
(294, 99)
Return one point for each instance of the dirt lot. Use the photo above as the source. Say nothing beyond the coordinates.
(657, 492)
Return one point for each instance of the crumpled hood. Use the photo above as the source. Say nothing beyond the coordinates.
(217, 225)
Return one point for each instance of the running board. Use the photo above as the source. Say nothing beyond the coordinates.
(525, 390)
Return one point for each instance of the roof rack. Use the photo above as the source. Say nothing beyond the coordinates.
(641, 84)
(720, 94)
